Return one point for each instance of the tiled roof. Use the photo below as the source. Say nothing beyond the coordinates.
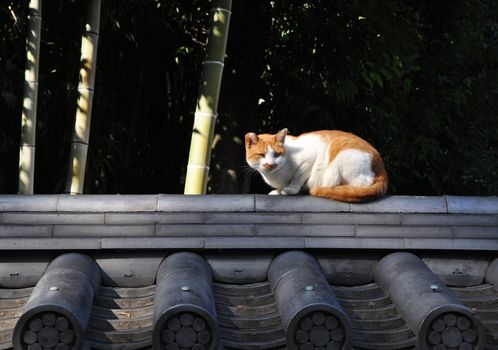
(260, 222)
(248, 272)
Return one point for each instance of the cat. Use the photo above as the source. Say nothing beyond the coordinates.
(329, 163)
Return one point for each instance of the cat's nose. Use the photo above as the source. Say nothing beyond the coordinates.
(268, 166)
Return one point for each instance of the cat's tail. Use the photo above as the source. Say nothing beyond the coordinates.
(354, 194)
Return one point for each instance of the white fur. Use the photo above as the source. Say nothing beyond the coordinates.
(306, 165)
(354, 167)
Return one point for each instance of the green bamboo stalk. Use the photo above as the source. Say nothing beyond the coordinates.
(30, 99)
(207, 103)
(81, 132)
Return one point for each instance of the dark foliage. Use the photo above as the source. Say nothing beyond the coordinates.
(419, 79)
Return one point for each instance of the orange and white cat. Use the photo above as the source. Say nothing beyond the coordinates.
(327, 163)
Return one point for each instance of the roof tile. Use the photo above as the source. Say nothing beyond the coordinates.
(299, 204)
(107, 203)
(205, 203)
(403, 204)
(45, 203)
(472, 205)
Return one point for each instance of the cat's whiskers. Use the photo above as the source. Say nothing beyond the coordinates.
(247, 169)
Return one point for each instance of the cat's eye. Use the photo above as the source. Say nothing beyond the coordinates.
(277, 154)
(261, 155)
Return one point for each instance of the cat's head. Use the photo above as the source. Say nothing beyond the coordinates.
(265, 152)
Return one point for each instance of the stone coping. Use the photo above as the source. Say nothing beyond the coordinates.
(247, 222)
(244, 203)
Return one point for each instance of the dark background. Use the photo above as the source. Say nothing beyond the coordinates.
(417, 78)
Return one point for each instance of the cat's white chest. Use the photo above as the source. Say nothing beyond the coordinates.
(307, 154)
(278, 179)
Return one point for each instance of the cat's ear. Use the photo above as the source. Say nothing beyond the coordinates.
(251, 139)
(280, 136)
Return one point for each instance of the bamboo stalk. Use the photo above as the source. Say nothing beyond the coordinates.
(207, 103)
(30, 99)
(81, 132)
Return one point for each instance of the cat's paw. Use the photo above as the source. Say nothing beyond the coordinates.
(274, 193)
(289, 191)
